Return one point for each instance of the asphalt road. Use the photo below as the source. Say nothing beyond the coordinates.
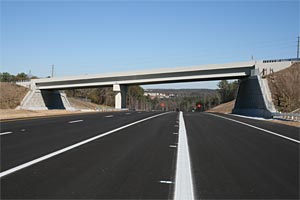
(229, 160)
(234, 161)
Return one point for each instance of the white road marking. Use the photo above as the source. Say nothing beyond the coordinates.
(184, 188)
(127, 113)
(27, 164)
(6, 133)
(109, 116)
(172, 146)
(167, 182)
(175, 133)
(76, 121)
(261, 129)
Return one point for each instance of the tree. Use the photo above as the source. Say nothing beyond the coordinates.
(6, 77)
(21, 77)
(135, 96)
(227, 90)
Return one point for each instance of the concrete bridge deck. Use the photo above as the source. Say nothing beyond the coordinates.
(173, 75)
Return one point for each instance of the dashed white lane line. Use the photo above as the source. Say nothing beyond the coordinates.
(27, 164)
(184, 188)
(261, 129)
(172, 146)
(108, 116)
(166, 182)
(6, 133)
(76, 121)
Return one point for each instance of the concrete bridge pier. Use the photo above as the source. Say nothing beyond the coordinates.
(120, 98)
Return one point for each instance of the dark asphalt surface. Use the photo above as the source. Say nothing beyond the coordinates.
(126, 164)
(34, 138)
(229, 160)
(233, 161)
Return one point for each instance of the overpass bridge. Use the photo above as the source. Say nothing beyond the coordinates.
(174, 75)
(45, 92)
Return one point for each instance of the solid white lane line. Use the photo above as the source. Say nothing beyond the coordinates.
(76, 121)
(184, 188)
(5, 133)
(261, 129)
(109, 116)
(27, 164)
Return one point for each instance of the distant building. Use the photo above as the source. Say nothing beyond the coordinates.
(159, 95)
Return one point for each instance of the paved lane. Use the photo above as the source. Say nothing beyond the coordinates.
(285, 130)
(130, 163)
(229, 160)
(233, 161)
(34, 138)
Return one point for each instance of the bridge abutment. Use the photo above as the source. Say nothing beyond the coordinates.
(252, 98)
(45, 100)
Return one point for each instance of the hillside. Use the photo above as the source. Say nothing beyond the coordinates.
(284, 86)
(11, 95)
(223, 108)
(83, 105)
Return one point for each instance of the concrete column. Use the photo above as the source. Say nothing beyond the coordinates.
(120, 98)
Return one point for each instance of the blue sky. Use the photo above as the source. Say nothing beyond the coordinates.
(88, 37)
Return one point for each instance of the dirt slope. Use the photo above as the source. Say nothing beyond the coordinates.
(79, 104)
(284, 86)
(223, 108)
(11, 95)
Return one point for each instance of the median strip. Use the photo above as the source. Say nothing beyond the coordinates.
(184, 188)
(27, 164)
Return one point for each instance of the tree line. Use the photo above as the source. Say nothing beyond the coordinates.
(136, 100)
(7, 77)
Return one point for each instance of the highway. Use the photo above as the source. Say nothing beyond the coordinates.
(148, 155)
